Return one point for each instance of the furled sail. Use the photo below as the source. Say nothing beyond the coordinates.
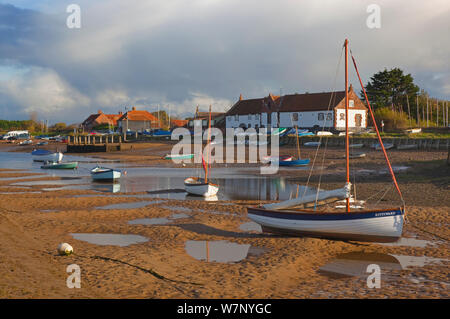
(340, 193)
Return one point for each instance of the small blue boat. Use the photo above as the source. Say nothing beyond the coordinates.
(300, 162)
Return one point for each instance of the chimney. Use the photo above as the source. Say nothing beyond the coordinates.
(99, 112)
(133, 108)
(120, 112)
(241, 97)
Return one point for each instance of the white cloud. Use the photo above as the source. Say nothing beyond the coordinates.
(42, 91)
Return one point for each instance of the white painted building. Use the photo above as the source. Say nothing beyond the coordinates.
(310, 111)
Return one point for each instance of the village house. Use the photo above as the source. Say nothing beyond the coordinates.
(202, 119)
(100, 118)
(137, 121)
(314, 111)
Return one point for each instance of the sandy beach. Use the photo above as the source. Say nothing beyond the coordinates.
(180, 249)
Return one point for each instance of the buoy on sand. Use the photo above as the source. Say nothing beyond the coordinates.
(64, 249)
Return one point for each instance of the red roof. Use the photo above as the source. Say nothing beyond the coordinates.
(135, 115)
(179, 123)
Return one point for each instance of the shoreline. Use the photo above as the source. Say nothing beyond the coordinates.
(33, 224)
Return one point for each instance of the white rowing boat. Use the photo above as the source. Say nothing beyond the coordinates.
(198, 186)
(105, 174)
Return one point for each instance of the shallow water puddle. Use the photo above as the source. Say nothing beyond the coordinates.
(355, 264)
(251, 227)
(157, 220)
(177, 208)
(128, 205)
(121, 240)
(149, 221)
(220, 251)
(411, 242)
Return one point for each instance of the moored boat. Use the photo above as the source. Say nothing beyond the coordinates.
(46, 156)
(178, 156)
(67, 165)
(300, 162)
(200, 187)
(105, 174)
(290, 217)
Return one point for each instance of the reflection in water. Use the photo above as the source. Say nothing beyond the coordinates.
(355, 264)
(129, 205)
(149, 221)
(251, 227)
(411, 242)
(220, 251)
(163, 182)
(121, 240)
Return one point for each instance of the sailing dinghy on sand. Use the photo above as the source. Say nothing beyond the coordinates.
(291, 218)
(201, 186)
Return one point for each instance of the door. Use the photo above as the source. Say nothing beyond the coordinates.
(358, 120)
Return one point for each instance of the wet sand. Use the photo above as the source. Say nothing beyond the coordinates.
(33, 224)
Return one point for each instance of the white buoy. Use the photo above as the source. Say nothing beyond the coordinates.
(65, 249)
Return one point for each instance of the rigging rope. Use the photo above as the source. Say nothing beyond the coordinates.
(378, 133)
(332, 96)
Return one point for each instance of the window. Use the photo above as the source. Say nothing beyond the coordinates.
(249, 116)
(295, 116)
(236, 117)
(329, 116)
(257, 117)
(351, 103)
(321, 116)
(342, 116)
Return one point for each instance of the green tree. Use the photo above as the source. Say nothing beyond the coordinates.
(391, 88)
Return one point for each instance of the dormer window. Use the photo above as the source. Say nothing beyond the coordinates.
(351, 103)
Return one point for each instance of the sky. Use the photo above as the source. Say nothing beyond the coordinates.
(184, 53)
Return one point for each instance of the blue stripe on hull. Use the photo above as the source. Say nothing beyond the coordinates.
(324, 216)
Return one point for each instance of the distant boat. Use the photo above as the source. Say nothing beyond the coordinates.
(414, 131)
(178, 156)
(312, 144)
(105, 174)
(68, 165)
(357, 155)
(161, 133)
(27, 142)
(324, 133)
(300, 162)
(42, 143)
(408, 147)
(283, 158)
(387, 146)
(46, 156)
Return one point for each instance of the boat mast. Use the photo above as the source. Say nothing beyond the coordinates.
(209, 146)
(347, 151)
(298, 143)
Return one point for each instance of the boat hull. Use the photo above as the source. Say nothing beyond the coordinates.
(301, 162)
(105, 175)
(197, 187)
(378, 226)
(71, 165)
